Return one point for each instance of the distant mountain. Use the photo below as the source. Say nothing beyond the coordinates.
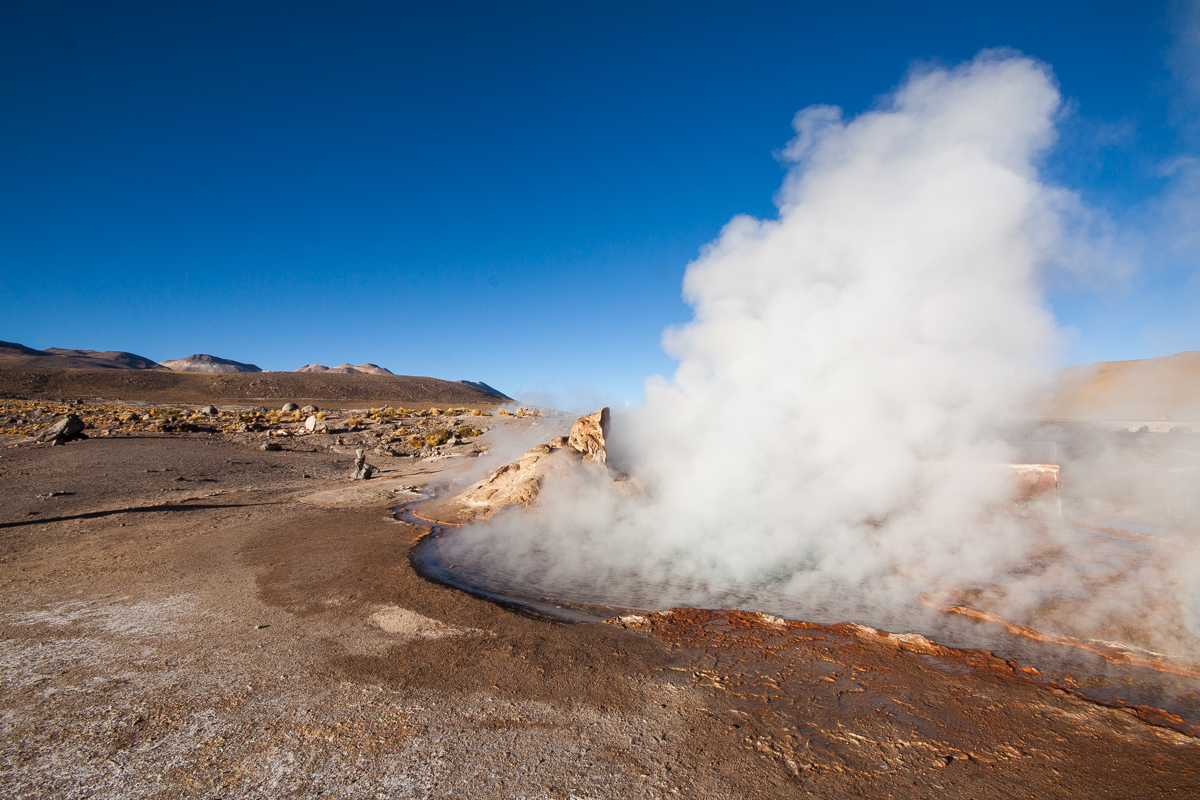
(202, 362)
(13, 354)
(348, 369)
(485, 388)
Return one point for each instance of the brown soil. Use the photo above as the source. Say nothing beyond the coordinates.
(185, 615)
(273, 388)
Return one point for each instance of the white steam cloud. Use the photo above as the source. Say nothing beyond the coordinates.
(827, 447)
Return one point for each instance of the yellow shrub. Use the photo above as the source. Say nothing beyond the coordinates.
(437, 436)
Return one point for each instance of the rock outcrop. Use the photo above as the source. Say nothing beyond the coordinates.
(520, 482)
(587, 436)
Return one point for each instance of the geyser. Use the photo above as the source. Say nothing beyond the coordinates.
(827, 447)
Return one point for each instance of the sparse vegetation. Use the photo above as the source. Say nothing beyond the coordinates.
(467, 432)
(437, 436)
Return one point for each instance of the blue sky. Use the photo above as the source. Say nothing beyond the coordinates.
(511, 192)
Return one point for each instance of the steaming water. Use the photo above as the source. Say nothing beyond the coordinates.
(1096, 677)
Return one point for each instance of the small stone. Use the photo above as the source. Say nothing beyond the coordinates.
(309, 410)
(314, 424)
(272, 447)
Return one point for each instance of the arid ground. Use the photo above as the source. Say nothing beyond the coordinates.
(187, 615)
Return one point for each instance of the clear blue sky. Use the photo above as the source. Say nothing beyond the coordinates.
(506, 192)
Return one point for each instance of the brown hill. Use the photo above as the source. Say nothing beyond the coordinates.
(243, 388)
(13, 354)
(1163, 389)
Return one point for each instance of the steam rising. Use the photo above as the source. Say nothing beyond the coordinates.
(828, 445)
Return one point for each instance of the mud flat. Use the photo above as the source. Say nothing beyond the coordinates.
(187, 615)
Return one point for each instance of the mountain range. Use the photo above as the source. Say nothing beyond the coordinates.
(18, 355)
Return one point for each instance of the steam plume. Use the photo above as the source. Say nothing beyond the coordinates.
(823, 447)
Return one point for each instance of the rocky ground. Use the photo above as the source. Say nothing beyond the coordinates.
(187, 615)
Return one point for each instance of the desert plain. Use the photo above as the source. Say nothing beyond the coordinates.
(188, 614)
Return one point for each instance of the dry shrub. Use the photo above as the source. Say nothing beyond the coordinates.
(437, 436)
(467, 432)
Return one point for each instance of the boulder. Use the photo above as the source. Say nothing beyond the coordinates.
(272, 447)
(68, 428)
(210, 411)
(309, 410)
(314, 424)
(289, 407)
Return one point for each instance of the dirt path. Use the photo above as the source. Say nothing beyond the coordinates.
(238, 623)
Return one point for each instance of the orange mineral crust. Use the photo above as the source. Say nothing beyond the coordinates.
(848, 698)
